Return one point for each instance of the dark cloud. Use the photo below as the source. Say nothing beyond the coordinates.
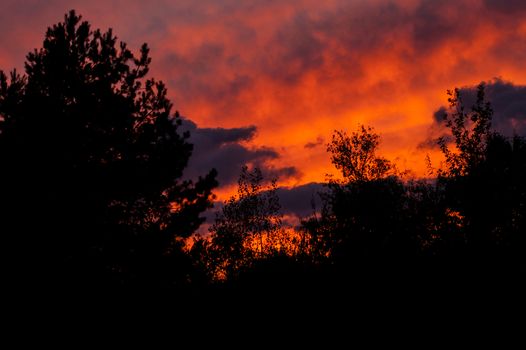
(226, 151)
(298, 201)
(280, 173)
(332, 42)
(439, 115)
(432, 141)
(436, 22)
(298, 49)
(199, 73)
(216, 137)
(509, 110)
(428, 143)
(318, 142)
(509, 105)
(330, 39)
(199, 62)
(508, 102)
(506, 6)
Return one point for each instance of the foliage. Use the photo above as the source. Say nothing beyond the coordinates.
(248, 228)
(355, 155)
(360, 214)
(470, 131)
(91, 163)
(482, 180)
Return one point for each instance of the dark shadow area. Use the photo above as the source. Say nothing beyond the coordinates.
(90, 161)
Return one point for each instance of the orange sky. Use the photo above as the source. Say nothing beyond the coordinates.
(297, 70)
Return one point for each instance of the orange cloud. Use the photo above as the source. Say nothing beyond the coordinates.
(298, 70)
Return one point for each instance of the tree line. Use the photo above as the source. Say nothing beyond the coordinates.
(92, 191)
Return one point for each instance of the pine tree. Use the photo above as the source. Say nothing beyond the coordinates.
(91, 164)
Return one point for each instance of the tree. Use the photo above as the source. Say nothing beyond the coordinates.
(362, 215)
(355, 155)
(483, 180)
(92, 163)
(471, 132)
(248, 228)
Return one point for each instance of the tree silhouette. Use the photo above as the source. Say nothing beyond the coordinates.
(91, 190)
(355, 155)
(470, 130)
(247, 229)
(361, 223)
(484, 182)
(90, 187)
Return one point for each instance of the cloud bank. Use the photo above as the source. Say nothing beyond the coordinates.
(227, 150)
(297, 70)
(508, 102)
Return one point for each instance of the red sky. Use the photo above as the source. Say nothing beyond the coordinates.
(297, 70)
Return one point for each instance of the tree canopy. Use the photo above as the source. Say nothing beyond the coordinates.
(248, 227)
(356, 155)
(92, 162)
(482, 181)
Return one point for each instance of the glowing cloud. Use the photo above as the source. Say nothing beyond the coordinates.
(297, 70)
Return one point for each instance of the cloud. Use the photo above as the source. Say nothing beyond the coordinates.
(216, 137)
(300, 69)
(509, 105)
(507, 6)
(319, 141)
(227, 151)
(299, 200)
(509, 111)
(440, 115)
(507, 100)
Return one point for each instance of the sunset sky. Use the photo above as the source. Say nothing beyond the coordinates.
(266, 82)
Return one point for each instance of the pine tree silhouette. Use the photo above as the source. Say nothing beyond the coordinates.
(90, 186)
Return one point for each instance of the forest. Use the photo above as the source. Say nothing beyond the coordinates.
(93, 193)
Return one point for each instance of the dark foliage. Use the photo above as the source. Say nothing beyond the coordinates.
(467, 224)
(365, 216)
(377, 231)
(484, 183)
(91, 195)
(355, 155)
(248, 229)
(91, 161)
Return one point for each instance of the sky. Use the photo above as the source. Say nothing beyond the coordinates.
(266, 82)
